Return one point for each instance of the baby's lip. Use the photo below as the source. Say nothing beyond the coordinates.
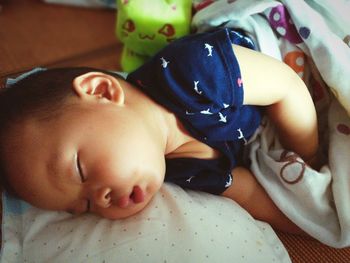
(137, 196)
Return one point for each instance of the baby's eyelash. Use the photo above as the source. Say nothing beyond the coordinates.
(80, 170)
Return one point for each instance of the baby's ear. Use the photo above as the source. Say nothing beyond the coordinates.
(98, 85)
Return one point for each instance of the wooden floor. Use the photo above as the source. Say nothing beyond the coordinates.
(308, 250)
(33, 34)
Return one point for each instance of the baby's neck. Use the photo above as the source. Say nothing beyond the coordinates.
(180, 143)
(176, 133)
(167, 130)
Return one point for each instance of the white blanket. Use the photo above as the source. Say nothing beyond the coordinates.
(313, 37)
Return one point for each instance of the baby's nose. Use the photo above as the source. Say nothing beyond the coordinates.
(102, 197)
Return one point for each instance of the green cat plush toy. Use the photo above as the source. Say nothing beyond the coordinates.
(144, 27)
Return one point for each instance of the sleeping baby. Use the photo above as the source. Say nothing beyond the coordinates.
(87, 140)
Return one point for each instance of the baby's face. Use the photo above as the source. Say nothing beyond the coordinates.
(93, 158)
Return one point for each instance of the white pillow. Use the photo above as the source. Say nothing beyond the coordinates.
(177, 226)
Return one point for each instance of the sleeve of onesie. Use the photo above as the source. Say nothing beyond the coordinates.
(198, 78)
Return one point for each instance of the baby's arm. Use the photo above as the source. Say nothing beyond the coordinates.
(249, 194)
(269, 82)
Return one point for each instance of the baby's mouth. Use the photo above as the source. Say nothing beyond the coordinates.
(137, 196)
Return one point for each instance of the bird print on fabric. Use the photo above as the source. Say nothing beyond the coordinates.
(164, 62)
(241, 136)
(196, 88)
(209, 48)
(229, 182)
(222, 117)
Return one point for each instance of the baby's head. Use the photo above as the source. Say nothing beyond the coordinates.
(76, 139)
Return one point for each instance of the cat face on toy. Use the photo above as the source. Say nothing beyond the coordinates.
(146, 28)
(129, 27)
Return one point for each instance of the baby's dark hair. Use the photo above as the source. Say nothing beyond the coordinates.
(40, 95)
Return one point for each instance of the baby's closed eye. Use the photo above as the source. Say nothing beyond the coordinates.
(79, 169)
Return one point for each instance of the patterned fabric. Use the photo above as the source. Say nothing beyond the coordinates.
(312, 37)
(198, 78)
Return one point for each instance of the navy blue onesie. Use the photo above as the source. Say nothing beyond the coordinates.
(198, 78)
